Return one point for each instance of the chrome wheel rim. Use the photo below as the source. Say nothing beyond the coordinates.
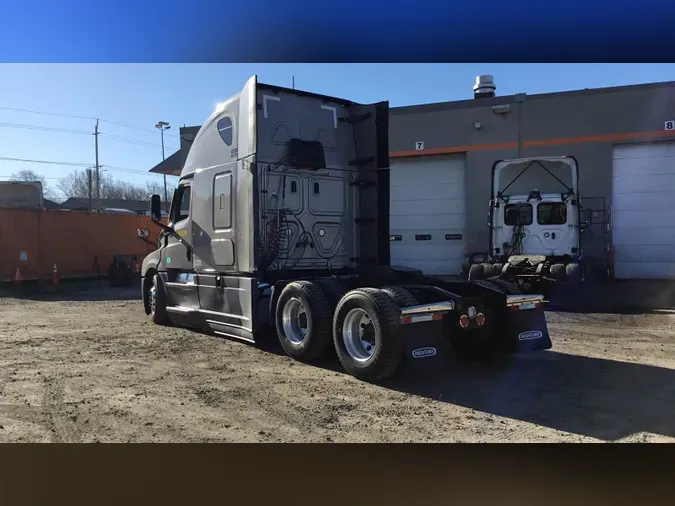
(358, 335)
(294, 321)
(153, 299)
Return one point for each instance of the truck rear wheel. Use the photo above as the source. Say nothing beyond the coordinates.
(507, 287)
(401, 296)
(303, 321)
(573, 274)
(558, 272)
(333, 290)
(476, 272)
(157, 302)
(366, 334)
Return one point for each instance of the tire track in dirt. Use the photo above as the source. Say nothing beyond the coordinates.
(52, 400)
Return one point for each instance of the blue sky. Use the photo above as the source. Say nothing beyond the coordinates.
(139, 95)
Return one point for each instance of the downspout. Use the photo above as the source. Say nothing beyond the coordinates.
(520, 100)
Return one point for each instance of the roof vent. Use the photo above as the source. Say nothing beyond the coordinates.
(484, 87)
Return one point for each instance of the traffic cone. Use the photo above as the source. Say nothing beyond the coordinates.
(55, 275)
(17, 277)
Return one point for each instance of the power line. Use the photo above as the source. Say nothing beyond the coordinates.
(134, 141)
(80, 117)
(46, 162)
(81, 132)
(133, 171)
(41, 177)
(112, 168)
(135, 128)
(44, 129)
(47, 113)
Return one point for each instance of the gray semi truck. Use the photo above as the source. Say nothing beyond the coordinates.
(281, 220)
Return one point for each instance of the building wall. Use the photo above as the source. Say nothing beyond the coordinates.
(585, 124)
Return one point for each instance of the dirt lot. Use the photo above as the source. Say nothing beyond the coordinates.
(91, 367)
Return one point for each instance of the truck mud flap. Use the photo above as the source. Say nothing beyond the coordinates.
(425, 347)
(527, 324)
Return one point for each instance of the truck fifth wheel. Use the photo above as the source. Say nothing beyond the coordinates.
(281, 219)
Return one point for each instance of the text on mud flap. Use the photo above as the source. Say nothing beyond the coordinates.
(424, 352)
(529, 335)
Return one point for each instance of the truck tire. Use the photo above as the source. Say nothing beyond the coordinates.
(497, 269)
(507, 287)
(558, 272)
(157, 300)
(573, 274)
(303, 321)
(334, 291)
(476, 272)
(487, 270)
(401, 296)
(366, 334)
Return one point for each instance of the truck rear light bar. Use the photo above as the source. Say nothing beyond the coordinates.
(426, 312)
(522, 302)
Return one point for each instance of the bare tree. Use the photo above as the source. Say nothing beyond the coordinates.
(28, 175)
(76, 185)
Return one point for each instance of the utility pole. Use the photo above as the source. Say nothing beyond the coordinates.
(98, 171)
(163, 125)
(90, 184)
(293, 82)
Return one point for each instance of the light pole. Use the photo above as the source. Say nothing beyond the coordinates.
(163, 125)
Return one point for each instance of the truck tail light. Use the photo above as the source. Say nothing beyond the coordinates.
(480, 319)
(464, 321)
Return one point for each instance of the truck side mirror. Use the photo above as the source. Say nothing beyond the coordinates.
(156, 208)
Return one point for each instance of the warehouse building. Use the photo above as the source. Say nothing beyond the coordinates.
(442, 155)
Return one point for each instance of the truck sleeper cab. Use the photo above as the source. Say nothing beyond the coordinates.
(281, 220)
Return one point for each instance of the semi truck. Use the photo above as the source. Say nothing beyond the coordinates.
(281, 221)
(536, 223)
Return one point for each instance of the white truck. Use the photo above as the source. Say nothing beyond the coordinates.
(536, 222)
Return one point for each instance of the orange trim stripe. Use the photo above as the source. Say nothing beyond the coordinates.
(544, 142)
(453, 149)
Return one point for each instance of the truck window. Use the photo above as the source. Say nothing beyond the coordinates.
(552, 213)
(225, 130)
(181, 208)
(517, 214)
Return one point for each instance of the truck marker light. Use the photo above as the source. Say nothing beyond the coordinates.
(480, 319)
(464, 321)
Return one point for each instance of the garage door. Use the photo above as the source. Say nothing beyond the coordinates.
(428, 213)
(643, 211)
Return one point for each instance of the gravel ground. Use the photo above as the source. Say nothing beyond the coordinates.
(91, 367)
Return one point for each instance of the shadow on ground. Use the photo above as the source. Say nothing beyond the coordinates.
(594, 397)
